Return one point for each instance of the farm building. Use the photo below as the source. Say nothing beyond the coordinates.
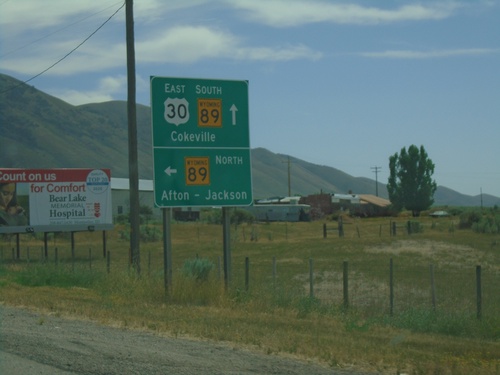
(121, 197)
(371, 205)
(345, 198)
(321, 205)
(357, 204)
(279, 209)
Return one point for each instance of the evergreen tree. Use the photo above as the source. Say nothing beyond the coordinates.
(410, 184)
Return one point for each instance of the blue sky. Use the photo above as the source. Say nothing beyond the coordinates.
(339, 83)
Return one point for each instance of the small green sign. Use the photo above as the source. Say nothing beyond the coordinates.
(201, 147)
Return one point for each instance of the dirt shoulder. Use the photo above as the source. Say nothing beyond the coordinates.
(33, 342)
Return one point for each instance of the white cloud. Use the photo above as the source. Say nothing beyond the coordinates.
(187, 44)
(33, 15)
(408, 54)
(106, 90)
(113, 84)
(77, 97)
(152, 11)
(90, 57)
(278, 54)
(181, 44)
(289, 13)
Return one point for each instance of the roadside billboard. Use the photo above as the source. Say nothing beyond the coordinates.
(52, 200)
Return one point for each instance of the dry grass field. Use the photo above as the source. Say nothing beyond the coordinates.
(292, 291)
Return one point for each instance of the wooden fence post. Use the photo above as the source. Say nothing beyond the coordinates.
(247, 273)
(479, 297)
(73, 246)
(73, 259)
(433, 287)
(311, 278)
(18, 247)
(104, 244)
(45, 246)
(391, 287)
(346, 284)
(274, 270)
(149, 262)
(90, 258)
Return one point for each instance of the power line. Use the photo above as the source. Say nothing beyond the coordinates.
(54, 32)
(69, 53)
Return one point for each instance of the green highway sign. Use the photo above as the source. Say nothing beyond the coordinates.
(201, 142)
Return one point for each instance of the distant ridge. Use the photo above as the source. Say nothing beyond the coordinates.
(41, 131)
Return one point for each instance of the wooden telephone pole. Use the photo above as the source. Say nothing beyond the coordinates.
(376, 170)
(133, 173)
(289, 178)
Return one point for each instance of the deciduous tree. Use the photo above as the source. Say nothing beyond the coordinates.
(410, 184)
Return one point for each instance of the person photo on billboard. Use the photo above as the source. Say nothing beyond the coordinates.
(10, 212)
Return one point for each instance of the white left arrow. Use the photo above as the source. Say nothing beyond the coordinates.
(233, 109)
(169, 171)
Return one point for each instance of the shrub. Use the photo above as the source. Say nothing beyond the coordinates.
(240, 216)
(121, 219)
(481, 221)
(198, 268)
(212, 216)
(149, 233)
(414, 227)
(487, 224)
(468, 218)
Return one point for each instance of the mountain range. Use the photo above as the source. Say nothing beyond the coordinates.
(41, 131)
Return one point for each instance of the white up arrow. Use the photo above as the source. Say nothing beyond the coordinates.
(233, 109)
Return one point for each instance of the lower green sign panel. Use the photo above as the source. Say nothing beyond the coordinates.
(202, 177)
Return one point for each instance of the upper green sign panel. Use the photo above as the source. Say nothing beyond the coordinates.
(194, 113)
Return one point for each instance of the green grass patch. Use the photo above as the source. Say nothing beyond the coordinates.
(62, 277)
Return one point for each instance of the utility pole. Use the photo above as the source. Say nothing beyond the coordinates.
(376, 170)
(289, 179)
(133, 173)
(481, 190)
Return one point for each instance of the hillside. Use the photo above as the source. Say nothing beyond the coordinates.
(41, 131)
(45, 132)
(270, 176)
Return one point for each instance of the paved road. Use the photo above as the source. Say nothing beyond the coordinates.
(33, 343)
